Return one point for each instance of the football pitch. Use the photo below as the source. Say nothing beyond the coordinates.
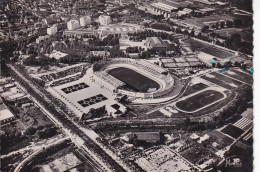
(134, 80)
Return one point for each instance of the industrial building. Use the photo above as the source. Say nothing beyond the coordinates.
(167, 8)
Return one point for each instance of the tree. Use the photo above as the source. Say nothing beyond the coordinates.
(218, 65)
(222, 24)
(217, 25)
(229, 23)
(162, 53)
(30, 131)
(205, 28)
(238, 22)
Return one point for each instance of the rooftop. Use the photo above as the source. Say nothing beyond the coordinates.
(156, 42)
(5, 114)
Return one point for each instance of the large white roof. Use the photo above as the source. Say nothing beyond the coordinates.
(5, 114)
(163, 6)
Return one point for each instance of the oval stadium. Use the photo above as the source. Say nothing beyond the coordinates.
(134, 78)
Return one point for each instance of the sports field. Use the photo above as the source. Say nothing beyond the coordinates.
(239, 75)
(232, 131)
(209, 49)
(134, 80)
(200, 100)
(222, 80)
(206, 20)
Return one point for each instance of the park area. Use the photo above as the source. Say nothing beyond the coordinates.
(199, 100)
(134, 80)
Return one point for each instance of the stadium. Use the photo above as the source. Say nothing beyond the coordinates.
(134, 78)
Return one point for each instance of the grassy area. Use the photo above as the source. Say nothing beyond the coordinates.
(226, 79)
(209, 49)
(134, 80)
(221, 139)
(219, 82)
(195, 153)
(199, 100)
(246, 33)
(194, 88)
(232, 131)
(202, 21)
(240, 76)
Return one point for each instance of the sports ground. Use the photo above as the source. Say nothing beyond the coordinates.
(209, 49)
(199, 100)
(134, 80)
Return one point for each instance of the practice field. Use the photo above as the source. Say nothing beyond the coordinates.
(241, 76)
(199, 100)
(232, 131)
(134, 80)
(74, 88)
(209, 49)
(202, 21)
(222, 80)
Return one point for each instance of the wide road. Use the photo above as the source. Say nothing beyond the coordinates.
(38, 94)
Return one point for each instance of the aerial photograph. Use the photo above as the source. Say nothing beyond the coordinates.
(126, 85)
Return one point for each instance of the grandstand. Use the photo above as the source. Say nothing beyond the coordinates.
(148, 70)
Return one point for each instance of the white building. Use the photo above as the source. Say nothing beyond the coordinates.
(5, 114)
(104, 20)
(52, 30)
(85, 20)
(73, 24)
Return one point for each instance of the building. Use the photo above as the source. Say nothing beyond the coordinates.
(123, 30)
(85, 21)
(57, 55)
(42, 38)
(116, 109)
(5, 114)
(152, 137)
(4, 81)
(38, 25)
(104, 20)
(168, 7)
(73, 24)
(52, 30)
(155, 42)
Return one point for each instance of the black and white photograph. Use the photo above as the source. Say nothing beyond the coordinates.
(127, 85)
